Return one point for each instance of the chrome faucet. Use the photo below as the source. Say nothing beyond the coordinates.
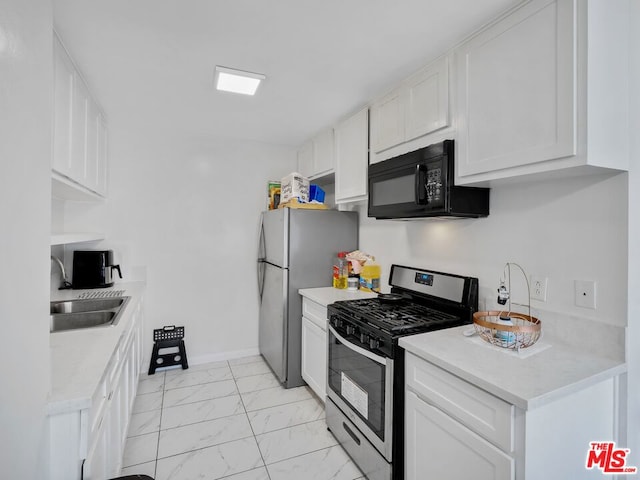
(65, 283)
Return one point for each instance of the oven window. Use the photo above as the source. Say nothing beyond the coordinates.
(360, 382)
(393, 191)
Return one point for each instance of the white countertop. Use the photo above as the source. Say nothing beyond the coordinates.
(79, 358)
(528, 380)
(327, 295)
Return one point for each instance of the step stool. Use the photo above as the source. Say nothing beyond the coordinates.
(168, 337)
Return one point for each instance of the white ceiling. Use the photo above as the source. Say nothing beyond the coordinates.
(150, 62)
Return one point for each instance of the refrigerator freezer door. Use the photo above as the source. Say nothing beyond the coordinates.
(273, 313)
(275, 229)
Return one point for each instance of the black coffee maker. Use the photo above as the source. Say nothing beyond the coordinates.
(93, 269)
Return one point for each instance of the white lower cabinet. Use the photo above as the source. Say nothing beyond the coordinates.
(456, 430)
(88, 444)
(314, 358)
(441, 447)
(314, 346)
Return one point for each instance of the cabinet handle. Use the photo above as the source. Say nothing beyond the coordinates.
(351, 434)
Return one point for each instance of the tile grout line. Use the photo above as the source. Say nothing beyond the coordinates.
(306, 453)
(250, 426)
(155, 467)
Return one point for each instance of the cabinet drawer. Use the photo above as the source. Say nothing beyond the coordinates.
(315, 312)
(478, 410)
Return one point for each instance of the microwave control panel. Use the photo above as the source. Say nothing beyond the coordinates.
(434, 185)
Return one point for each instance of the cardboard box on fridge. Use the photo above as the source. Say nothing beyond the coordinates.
(294, 185)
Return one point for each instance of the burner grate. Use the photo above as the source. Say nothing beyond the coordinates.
(397, 317)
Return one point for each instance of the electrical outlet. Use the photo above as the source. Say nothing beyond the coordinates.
(585, 293)
(538, 288)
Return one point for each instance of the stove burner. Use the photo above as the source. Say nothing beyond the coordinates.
(398, 317)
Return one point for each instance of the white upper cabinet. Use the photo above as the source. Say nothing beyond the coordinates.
(91, 152)
(79, 161)
(305, 159)
(529, 86)
(102, 155)
(323, 153)
(387, 121)
(316, 158)
(352, 158)
(64, 76)
(427, 100)
(419, 106)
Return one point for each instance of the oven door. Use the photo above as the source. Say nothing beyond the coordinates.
(360, 383)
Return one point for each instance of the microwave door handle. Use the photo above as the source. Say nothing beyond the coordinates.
(420, 188)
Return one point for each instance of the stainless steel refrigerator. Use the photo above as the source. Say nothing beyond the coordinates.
(296, 250)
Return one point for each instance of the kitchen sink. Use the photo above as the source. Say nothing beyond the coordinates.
(93, 305)
(78, 314)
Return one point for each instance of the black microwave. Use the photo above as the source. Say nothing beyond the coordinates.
(420, 184)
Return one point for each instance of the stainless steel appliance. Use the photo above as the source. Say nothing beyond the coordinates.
(365, 381)
(420, 184)
(296, 250)
(93, 269)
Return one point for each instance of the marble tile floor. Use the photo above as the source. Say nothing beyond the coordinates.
(230, 420)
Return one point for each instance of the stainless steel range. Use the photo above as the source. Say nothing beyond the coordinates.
(365, 404)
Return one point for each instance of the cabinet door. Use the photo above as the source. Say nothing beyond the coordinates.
(91, 158)
(352, 158)
(516, 90)
(439, 447)
(305, 160)
(387, 122)
(63, 108)
(96, 465)
(314, 357)
(117, 423)
(427, 100)
(323, 153)
(79, 131)
(102, 156)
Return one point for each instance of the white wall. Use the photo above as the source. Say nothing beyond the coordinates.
(564, 229)
(183, 214)
(633, 352)
(25, 157)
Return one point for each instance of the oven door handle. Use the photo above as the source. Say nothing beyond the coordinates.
(357, 349)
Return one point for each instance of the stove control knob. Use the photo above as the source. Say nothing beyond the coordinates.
(364, 338)
(336, 322)
(350, 329)
(374, 343)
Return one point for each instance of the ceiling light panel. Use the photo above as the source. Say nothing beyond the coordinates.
(237, 81)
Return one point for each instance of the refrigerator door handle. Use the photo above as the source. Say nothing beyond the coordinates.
(261, 269)
(261, 258)
(262, 246)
